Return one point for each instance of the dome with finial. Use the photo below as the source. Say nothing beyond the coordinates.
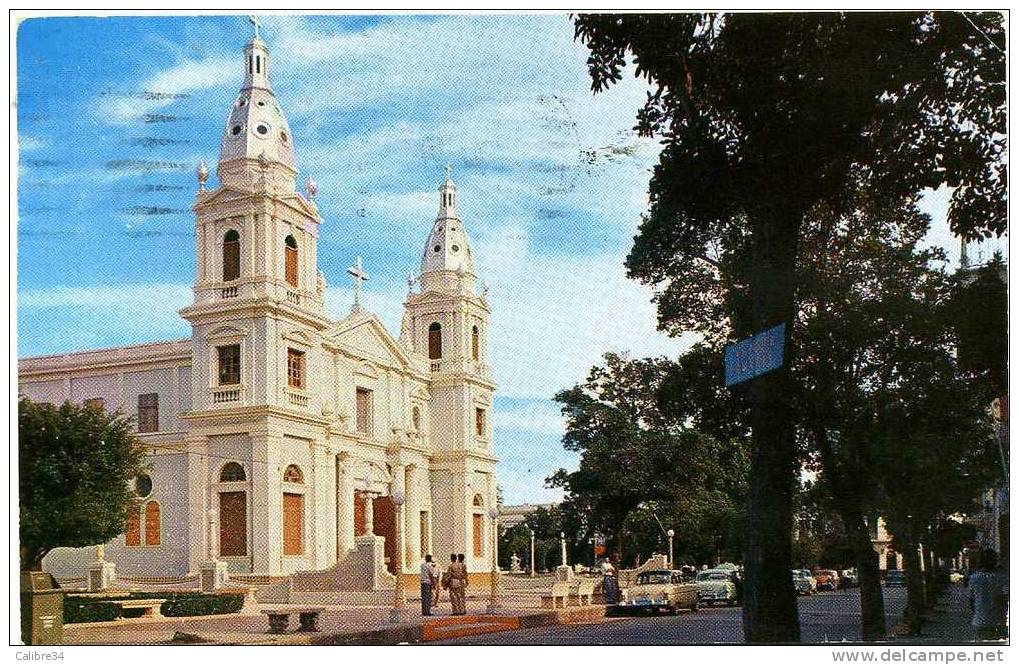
(256, 125)
(447, 249)
(310, 188)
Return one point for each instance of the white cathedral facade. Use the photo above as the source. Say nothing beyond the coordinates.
(276, 436)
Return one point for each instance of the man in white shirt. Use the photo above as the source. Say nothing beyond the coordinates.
(988, 596)
(427, 581)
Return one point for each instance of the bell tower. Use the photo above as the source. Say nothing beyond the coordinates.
(259, 298)
(447, 322)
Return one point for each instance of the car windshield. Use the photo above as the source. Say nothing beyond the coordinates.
(654, 578)
(711, 575)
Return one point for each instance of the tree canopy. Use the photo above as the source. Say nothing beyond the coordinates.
(76, 464)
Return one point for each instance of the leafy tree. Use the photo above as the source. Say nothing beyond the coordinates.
(547, 524)
(643, 470)
(979, 315)
(764, 117)
(75, 467)
(515, 540)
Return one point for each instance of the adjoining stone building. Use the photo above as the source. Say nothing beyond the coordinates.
(276, 435)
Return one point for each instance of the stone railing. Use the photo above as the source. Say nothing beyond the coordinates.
(293, 298)
(297, 399)
(228, 292)
(226, 395)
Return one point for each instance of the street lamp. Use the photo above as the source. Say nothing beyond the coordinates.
(562, 542)
(399, 611)
(493, 601)
(672, 562)
(532, 551)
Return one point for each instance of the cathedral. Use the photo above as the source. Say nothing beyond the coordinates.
(279, 440)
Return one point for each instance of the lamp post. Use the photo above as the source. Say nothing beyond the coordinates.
(532, 552)
(493, 601)
(562, 543)
(399, 611)
(672, 561)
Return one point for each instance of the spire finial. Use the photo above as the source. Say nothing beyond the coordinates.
(359, 276)
(449, 171)
(256, 23)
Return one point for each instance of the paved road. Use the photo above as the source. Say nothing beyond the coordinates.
(826, 617)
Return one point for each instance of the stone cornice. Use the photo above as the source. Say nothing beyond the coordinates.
(242, 308)
(232, 414)
(171, 352)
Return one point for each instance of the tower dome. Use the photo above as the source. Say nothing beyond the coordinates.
(448, 251)
(256, 133)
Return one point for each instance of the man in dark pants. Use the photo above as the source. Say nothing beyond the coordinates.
(427, 582)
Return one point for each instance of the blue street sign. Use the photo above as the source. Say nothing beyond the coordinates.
(754, 356)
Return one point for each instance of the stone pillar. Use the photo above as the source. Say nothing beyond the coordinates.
(344, 507)
(413, 516)
(400, 512)
(266, 505)
(101, 573)
(198, 500)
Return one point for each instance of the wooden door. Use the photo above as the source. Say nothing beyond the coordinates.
(385, 525)
(233, 524)
(293, 524)
(359, 514)
(291, 266)
(479, 534)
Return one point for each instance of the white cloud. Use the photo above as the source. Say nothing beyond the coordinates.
(159, 91)
(29, 143)
(540, 416)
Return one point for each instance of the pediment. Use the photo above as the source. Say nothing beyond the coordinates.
(363, 336)
(226, 332)
(222, 195)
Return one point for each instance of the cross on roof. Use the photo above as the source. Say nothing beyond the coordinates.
(448, 169)
(255, 22)
(359, 276)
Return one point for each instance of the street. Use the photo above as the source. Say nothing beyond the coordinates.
(825, 617)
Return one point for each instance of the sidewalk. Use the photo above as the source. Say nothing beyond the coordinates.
(337, 624)
(948, 622)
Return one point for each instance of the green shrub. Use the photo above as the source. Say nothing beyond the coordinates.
(88, 610)
(199, 605)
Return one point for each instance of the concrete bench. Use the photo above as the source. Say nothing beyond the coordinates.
(560, 590)
(148, 606)
(279, 618)
(585, 591)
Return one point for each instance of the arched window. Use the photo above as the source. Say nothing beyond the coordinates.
(142, 485)
(293, 475)
(231, 472)
(434, 341)
(415, 417)
(475, 343)
(479, 501)
(231, 256)
(152, 523)
(478, 527)
(291, 260)
(133, 527)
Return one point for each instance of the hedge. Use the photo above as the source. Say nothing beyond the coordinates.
(85, 609)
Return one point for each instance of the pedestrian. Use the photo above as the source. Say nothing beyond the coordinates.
(988, 593)
(457, 573)
(609, 583)
(427, 581)
(437, 576)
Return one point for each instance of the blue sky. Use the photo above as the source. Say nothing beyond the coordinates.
(114, 114)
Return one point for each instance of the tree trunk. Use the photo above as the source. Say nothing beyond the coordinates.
(769, 609)
(848, 505)
(915, 588)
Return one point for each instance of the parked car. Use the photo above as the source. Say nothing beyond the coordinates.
(654, 590)
(804, 582)
(849, 578)
(716, 586)
(827, 580)
(895, 578)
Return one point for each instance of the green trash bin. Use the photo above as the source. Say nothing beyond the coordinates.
(42, 609)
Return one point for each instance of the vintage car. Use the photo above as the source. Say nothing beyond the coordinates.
(827, 580)
(667, 590)
(895, 578)
(716, 586)
(850, 578)
(803, 582)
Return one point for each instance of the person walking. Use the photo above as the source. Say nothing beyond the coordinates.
(437, 583)
(609, 583)
(988, 594)
(427, 582)
(457, 573)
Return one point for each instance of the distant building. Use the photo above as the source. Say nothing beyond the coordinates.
(511, 516)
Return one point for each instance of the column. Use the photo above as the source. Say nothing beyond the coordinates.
(400, 514)
(266, 505)
(198, 500)
(413, 516)
(344, 507)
